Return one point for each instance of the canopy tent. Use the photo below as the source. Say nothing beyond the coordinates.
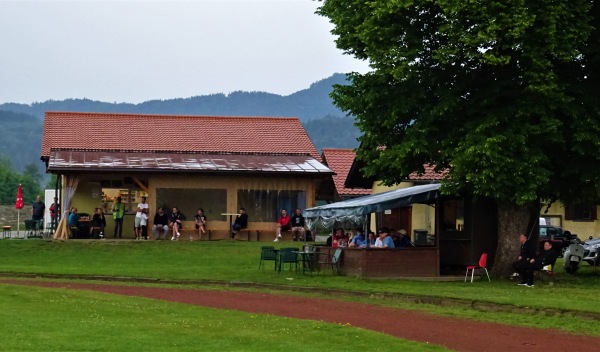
(357, 209)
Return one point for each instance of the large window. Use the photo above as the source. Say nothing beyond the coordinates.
(212, 201)
(580, 212)
(265, 206)
(130, 197)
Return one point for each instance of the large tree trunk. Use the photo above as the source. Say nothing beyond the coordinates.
(513, 220)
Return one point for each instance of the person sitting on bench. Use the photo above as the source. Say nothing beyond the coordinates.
(546, 257)
(241, 222)
(283, 224)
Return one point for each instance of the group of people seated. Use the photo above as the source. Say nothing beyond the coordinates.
(295, 223)
(173, 223)
(528, 262)
(96, 226)
(386, 238)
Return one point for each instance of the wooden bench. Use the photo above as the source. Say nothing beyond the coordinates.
(247, 231)
(189, 230)
(283, 234)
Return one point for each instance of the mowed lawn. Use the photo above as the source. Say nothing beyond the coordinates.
(39, 319)
(227, 262)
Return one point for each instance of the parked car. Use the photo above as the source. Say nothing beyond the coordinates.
(560, 239)
(591, 248)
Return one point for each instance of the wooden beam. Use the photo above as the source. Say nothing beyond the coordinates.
(141, 185)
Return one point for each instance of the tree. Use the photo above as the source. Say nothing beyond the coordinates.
(497, 93)
(11, 179)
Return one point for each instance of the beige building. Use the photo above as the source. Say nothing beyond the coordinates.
(216, 163)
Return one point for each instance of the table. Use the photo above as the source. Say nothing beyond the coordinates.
(231, 222)
(84, 226)
(307, 260)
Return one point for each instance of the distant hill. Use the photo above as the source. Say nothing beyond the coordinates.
(21, 139)
(327, 126)
(308, 104)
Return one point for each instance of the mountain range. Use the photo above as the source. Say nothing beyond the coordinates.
(327, 126)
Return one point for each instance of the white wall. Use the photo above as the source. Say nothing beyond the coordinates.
(48, 200)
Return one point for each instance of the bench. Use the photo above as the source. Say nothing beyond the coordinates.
(247, 231)
(285, 235)
(189, 229)
(547, 272)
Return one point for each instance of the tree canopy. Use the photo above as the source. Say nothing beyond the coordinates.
(11, 180)
(502, 94)
(498, 92)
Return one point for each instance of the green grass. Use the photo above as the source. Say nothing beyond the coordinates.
(238, 262)
(71, 320)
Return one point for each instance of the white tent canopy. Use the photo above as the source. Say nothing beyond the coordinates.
(357, 209)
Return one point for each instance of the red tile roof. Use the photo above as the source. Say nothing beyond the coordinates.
(340, 161)
(429, 175)
(169, 133)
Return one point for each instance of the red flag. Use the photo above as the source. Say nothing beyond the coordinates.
(19, 204)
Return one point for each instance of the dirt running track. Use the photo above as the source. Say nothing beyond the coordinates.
(456, 334)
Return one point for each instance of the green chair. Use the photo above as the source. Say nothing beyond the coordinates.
(332, 260)
(267, 253)
(287, 255)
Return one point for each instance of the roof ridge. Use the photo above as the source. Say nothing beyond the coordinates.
(172, 151)
(145, 115)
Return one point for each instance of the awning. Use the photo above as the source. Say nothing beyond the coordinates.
(111, 161)
(359, 207)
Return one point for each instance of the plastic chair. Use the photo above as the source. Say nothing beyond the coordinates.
(267, 253)
(287, 255)
(332, 260)
(482, 265)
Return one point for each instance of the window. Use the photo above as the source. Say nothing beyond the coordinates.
(266, 205)
(130, 197)
(212, 201)
(580, 212)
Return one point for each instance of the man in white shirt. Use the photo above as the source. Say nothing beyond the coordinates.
(140, 218)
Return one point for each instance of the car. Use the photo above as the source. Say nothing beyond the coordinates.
(560, 239)
(591, 248)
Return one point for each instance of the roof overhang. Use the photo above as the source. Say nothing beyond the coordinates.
(128, 161)
(375, 203)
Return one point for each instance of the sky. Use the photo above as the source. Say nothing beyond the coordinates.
(134, 51)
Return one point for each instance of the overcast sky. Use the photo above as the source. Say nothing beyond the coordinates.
(135, 51)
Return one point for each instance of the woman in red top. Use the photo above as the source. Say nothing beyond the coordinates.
(283, 224)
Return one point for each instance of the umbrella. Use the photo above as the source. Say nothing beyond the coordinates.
(19, 205)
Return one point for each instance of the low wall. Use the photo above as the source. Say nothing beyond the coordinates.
(8, 215)
(388, 263)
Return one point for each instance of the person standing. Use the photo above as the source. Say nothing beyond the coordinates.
(298, 225)
(200, 220)
(283, 224)
(118, 211)
(526, 253)
(54, 213)
(37, 213)
(161, 221)
(175, 222)
(140, 216)
(241, 222)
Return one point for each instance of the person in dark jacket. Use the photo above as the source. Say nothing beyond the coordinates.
(526, 253)
(546, 257)
(241, 222)
(98, 223)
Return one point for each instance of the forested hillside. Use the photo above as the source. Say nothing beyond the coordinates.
(326, 125)
(307, 104)
(21, 140)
